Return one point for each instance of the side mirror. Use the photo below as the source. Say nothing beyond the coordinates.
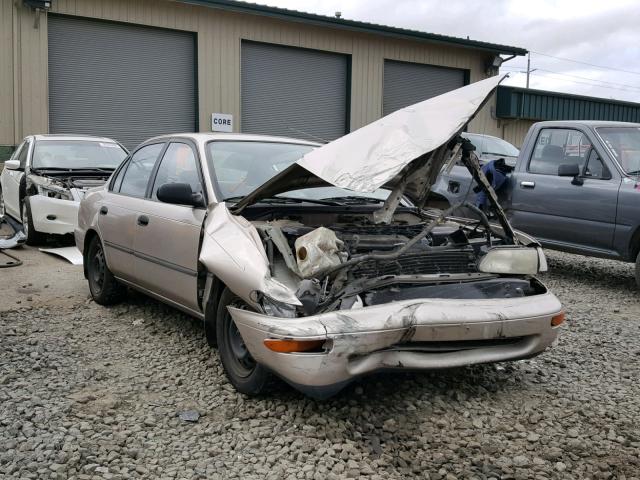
(180, 194)
(12, 164)
(569, 170)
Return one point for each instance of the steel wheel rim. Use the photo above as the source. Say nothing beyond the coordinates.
(243, 362)
(98, 269)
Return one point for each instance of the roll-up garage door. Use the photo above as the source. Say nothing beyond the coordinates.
(409, 83)
(294, 92)
(121, 81)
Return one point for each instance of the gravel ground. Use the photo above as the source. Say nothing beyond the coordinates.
(89, 392)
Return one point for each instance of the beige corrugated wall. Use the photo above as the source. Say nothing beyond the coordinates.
(23, 49)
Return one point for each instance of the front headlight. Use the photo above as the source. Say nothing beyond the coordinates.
(513, 260)
(276, 308)
(54, 192)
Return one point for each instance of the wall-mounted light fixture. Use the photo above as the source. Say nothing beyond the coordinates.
(38, 6)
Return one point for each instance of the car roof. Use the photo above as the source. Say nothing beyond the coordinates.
(465, 134)
(64, 136)
(586, 123)
(243, 137)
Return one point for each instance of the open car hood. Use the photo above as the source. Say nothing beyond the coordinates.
(381, 154)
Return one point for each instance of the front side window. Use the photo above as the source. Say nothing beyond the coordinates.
(22, 156)
(16, 153)
(624, 145)
(178, 165)
(136, 177)
(595, 168)
(76, 154)
(559, 146)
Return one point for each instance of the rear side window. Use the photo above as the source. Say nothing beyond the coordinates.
(178, 165)
(136, 177)
(559, 146)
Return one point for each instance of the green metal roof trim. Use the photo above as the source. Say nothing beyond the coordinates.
(514, 102)
(326, 21)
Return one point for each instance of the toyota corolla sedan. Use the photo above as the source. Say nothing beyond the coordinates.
(321, 264)
(43, 182)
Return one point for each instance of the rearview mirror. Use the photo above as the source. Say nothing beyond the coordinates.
(12, 164)
(569, 170)
(180, 194)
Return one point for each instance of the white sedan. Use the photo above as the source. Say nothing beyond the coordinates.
(43, 182)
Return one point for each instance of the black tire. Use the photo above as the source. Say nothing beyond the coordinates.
(33, 237)
(241, 369)
(104, 288)
(2, 210)
(638, 270)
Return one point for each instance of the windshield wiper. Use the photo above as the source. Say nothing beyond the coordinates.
(51, 169)
(286, 200)
(68, 169)
(298, 200)
(633, 172)
(354, 199)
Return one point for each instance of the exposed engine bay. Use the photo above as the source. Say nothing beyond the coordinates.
(358, 263)
(65, 185)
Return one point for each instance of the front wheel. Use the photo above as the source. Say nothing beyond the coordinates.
(638, 270)
(104, 288)
(33, 237)
(241, 369)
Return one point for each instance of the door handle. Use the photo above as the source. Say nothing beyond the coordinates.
(103, 210)
(528, 184)
(143, 220)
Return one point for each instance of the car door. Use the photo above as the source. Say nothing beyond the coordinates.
(167, 235)
(119, 210)
(575, 213)
(11, 180)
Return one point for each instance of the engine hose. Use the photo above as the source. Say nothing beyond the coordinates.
(397, 253)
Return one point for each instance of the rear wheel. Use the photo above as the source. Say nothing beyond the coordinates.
(104, 288)
(638, 270)
(33, 237)
(243, 372)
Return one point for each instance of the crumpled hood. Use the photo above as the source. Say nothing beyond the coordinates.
(376, 154)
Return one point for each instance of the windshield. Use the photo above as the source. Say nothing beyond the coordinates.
(492, 145)
(242, 166)
(624, 145)
(76, 154)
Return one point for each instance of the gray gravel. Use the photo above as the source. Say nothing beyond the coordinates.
(134, 392)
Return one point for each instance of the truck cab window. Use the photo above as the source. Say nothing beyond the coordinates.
(595, 168)
(558, 146)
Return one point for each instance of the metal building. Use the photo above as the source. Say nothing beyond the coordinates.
(516, 109)
(131, 69)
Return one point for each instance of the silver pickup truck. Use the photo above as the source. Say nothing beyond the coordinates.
(575, 186)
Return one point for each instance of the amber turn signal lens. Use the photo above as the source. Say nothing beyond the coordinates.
(557, 319)
(282, 345)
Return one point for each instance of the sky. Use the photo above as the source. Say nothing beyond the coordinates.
(600, 33)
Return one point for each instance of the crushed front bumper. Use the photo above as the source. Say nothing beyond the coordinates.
(413, 334)
(52, 215)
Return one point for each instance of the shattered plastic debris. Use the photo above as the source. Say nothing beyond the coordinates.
(189, 416)
(16, 239)
(71, 254)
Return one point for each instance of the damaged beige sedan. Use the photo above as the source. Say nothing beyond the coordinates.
(321, 264)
